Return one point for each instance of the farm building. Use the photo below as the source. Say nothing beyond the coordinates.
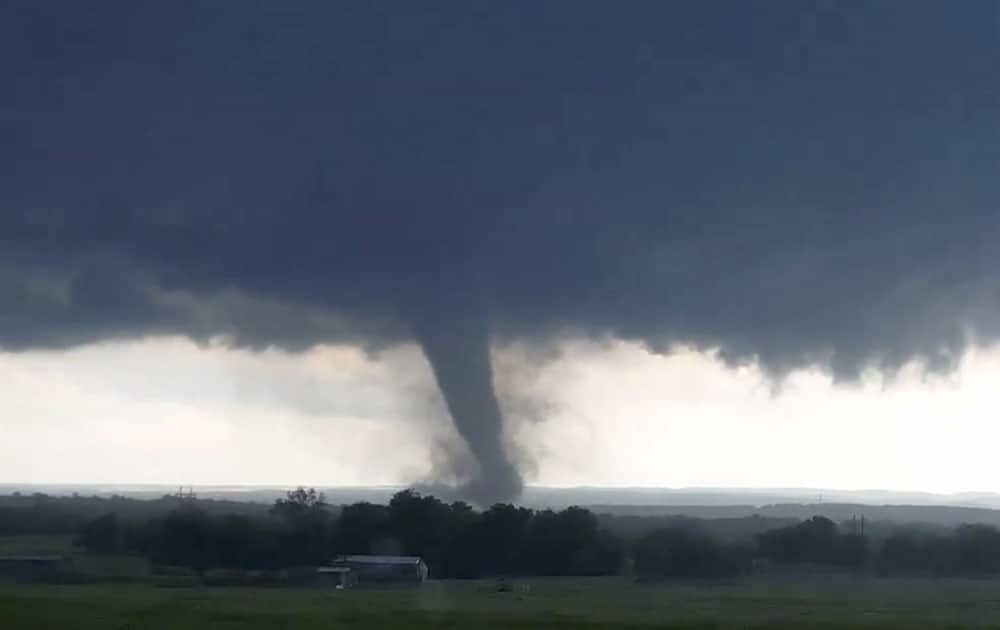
(31, 568)
(401, 569)
(340, 577)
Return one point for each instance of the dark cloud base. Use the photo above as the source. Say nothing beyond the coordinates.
(796, 184)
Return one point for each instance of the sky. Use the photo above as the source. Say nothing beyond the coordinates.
(483, 243)
(595, 413)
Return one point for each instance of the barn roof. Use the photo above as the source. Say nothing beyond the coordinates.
(380, 559)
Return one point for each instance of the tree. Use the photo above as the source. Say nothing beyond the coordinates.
(566, 543)
(102, 535)
(850, 550)
(682, 551)
(977, 549)
(914, 552)
(503, 530)
(602, 554)
(186, 540)
(362, 528)
(809, 541)
(424, 525)
(299, 504)
(307, 535)
(245, 543)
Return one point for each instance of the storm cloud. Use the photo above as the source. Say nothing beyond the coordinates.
(793, 183)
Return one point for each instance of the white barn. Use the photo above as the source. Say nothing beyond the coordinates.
(365, 568)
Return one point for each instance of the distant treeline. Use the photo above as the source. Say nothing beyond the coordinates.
(459, 541)
(36, 513)
(301, 530)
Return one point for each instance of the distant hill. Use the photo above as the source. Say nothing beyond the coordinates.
(756, 497)
(938, 515)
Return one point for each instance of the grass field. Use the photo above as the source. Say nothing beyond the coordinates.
(554, 603)
(96, 565)
(36, 545)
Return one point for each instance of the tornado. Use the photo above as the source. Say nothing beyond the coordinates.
(457, 345)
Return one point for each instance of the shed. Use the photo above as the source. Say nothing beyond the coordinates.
(366, 568)
(340, 577)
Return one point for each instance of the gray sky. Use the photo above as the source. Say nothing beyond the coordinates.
(795, 186)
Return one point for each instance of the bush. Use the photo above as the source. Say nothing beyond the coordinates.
(684, 552)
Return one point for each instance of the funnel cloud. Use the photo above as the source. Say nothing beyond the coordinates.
(792, 184)
(458, 349)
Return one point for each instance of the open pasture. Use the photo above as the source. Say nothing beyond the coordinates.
(540, 603)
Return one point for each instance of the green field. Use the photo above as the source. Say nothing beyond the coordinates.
(96, 565)
(37, 545)
(554, 603)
